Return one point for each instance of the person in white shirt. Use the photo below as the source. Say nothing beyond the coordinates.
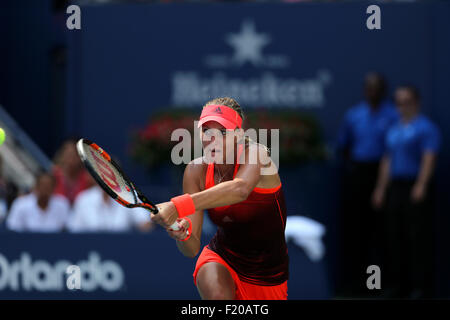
(96, 211)
(41, 210)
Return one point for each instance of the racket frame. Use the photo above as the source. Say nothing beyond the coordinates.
(137, 194)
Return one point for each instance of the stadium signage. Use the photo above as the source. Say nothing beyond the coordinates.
(263, 88)
(40, 275)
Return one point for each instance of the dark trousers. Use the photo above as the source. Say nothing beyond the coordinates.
(359, 228)
(409, 265)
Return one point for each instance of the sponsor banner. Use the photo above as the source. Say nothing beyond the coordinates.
(107, 266)
(190, 89)
(128, 61)
(117, 266)
(30, 274)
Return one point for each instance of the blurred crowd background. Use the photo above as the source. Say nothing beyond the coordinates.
(365, 116)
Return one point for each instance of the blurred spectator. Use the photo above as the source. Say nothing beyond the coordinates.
(70, 174)
(41, 210)
(408, 167)
(8, 192)
(95, 211)
(362, 141)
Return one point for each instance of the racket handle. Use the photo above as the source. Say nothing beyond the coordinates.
(175, 226)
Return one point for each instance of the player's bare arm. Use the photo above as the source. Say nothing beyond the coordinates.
(226, 193)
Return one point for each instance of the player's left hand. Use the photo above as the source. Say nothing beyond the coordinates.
(167, 214)
(182, 233)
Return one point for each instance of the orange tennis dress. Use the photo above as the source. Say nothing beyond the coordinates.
(250, 243)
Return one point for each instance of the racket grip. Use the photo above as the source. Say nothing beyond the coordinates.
(175, 226)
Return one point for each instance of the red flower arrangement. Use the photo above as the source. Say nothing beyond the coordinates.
(299, 133)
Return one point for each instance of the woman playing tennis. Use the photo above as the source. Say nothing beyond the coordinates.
(247, 259)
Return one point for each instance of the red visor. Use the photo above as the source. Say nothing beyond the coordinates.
(224, 115)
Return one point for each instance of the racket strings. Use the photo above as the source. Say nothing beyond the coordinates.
(110, 176)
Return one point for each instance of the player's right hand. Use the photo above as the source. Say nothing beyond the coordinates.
(182, 233)
(166, 216)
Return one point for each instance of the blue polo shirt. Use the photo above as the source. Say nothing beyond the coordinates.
(364, 130)
(407, 142)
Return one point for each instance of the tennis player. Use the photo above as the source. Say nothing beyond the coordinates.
(247, 259)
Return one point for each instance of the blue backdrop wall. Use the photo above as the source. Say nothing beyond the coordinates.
(129, 60)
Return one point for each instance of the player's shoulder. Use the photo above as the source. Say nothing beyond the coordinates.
(197, 163)
(195, 172)
(255, 150)
(253, 146)
(196, 166)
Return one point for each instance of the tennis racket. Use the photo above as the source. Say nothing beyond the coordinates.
(111, 178)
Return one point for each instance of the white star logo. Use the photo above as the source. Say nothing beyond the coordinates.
(247, 44)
